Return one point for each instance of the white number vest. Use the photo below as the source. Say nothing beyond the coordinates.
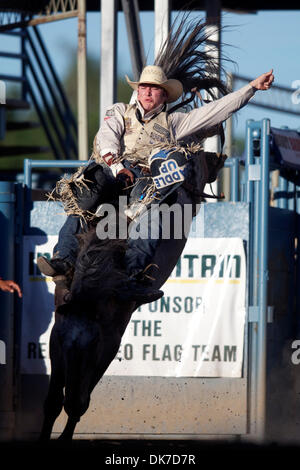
(139, 137)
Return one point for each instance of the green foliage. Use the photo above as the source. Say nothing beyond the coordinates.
(32, 137)
(93, 93)
(238, 146)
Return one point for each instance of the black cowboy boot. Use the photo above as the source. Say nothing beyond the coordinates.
(53, 267)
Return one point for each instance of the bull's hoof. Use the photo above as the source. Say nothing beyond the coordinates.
(140, 293)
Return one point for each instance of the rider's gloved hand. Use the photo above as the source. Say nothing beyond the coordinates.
(125, 177)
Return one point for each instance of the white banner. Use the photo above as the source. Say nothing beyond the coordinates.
(195, 330)
(38, 306)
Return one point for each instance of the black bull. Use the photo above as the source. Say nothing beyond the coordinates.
(89, 327)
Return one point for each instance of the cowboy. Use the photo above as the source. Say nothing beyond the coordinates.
(124, 143)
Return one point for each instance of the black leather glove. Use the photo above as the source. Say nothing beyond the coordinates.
(125, 178)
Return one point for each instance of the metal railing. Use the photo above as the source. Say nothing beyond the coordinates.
(40, 82)
(279, 98)
(30, 164)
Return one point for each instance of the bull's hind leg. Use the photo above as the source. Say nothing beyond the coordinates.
(55, 397)
(76, 403)
(77, 395)
(68, 432)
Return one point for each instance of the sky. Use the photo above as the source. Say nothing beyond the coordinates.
(256, 42)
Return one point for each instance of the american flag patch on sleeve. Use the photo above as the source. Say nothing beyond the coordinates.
(109, 113)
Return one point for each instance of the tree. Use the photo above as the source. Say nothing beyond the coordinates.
(37, 136)
(93, 78)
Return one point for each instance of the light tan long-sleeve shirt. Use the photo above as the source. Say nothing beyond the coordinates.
(181, 124)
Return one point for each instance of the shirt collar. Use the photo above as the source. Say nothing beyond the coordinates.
(150, 114)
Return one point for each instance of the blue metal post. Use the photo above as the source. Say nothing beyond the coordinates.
(251, 196)
(234, 180)
(263, 279)
(283, 191)
(258, 196)
(291, 196)
(7, 204)
(27, 172)
(233, 164)
(249, 161)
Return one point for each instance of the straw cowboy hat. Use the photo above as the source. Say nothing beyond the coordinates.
(155, 75)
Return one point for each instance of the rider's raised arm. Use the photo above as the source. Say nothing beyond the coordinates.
(209, 115)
